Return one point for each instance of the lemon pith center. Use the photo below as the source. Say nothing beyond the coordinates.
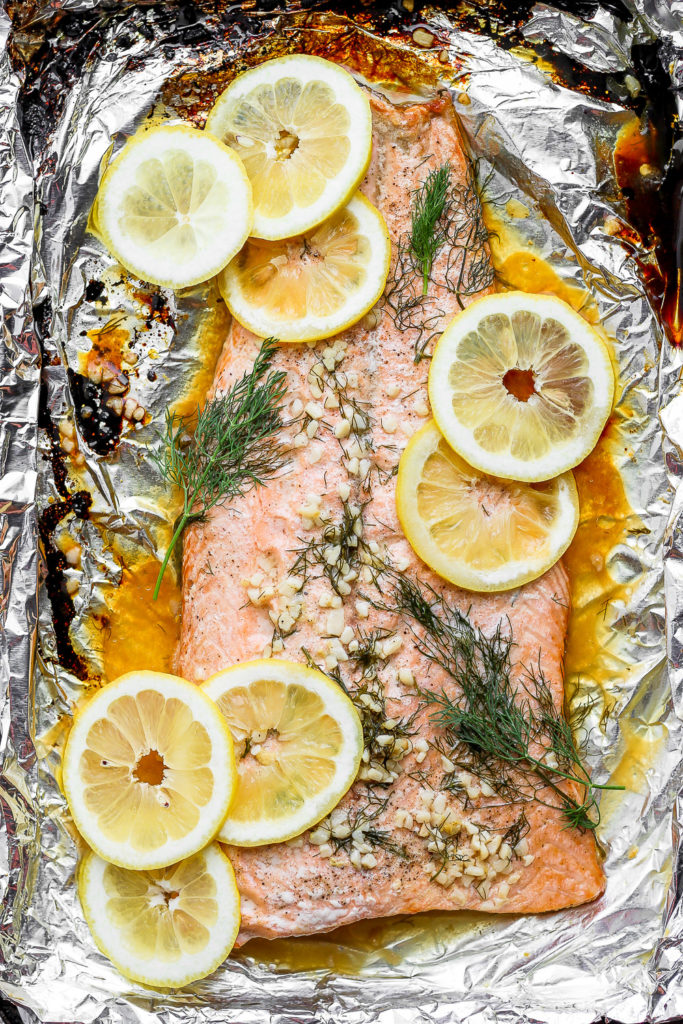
(262, 748)
(285, 144)
(521, 384)
(150, 768)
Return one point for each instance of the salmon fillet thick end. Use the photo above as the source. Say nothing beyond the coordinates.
(233, 602)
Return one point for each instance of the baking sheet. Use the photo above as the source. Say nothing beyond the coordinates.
(540, 147)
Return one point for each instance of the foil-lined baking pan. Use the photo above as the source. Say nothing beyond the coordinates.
(554, 106)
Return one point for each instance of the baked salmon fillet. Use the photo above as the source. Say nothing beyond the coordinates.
(278, 573)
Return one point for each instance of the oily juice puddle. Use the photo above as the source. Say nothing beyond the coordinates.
(139, 633)
(136, 632)
(375, 945)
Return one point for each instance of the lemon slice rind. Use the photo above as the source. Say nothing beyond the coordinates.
(279, 322)
(456, 362)
(559, 494)
(303, 69)
(154, 970)
(149, 187)
(220, 764)
(262, 830)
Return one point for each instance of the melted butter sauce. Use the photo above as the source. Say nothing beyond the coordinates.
(605, 521)
(369, 947)
(140, 633)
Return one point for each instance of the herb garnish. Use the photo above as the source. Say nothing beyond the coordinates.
(362, 820)
(462, 234)
(230, 448)
(426, 230)
(312, 559)
(512, 737)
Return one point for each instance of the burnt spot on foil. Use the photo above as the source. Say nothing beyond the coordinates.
(76, 504)
(95, 291)
(61, 602)
(157, 308)
(99, 422)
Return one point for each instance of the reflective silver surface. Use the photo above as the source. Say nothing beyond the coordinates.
(547, 149)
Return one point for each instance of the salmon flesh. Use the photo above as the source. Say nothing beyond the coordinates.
(399, 842)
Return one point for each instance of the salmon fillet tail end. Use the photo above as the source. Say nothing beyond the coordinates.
(427, 845)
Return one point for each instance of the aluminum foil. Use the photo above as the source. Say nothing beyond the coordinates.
(543, 159)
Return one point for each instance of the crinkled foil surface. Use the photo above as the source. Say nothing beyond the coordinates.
(544, 146)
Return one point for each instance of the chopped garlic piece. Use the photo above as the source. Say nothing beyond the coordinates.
(335, 622)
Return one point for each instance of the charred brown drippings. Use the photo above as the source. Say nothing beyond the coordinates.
(99, 424)
(650, 175)
(52, 54)
(77, 504)
(95, 291)
(63, 611)
(157, 308)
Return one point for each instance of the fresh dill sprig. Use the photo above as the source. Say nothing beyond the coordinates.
(467, 264)
(228, 448)
(426, 231)
(512, 737)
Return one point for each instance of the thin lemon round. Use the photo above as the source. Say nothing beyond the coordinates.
(167, 927)
(298, 742)
(303, 130)
(148, 770)
(478, 531)
(521, 386)
(315, 285)
(174, 206)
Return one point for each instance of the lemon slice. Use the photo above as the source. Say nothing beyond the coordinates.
(303, 130)
(167, 927)
(148, 770)
(521, 386)
(298, 742)
(175, 206)
(314, 285)
(477, 531)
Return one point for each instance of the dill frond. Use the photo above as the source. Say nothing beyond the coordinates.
(361, 821)
(510, 736)
(426, 231)
(463, 237)
(227, 448)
